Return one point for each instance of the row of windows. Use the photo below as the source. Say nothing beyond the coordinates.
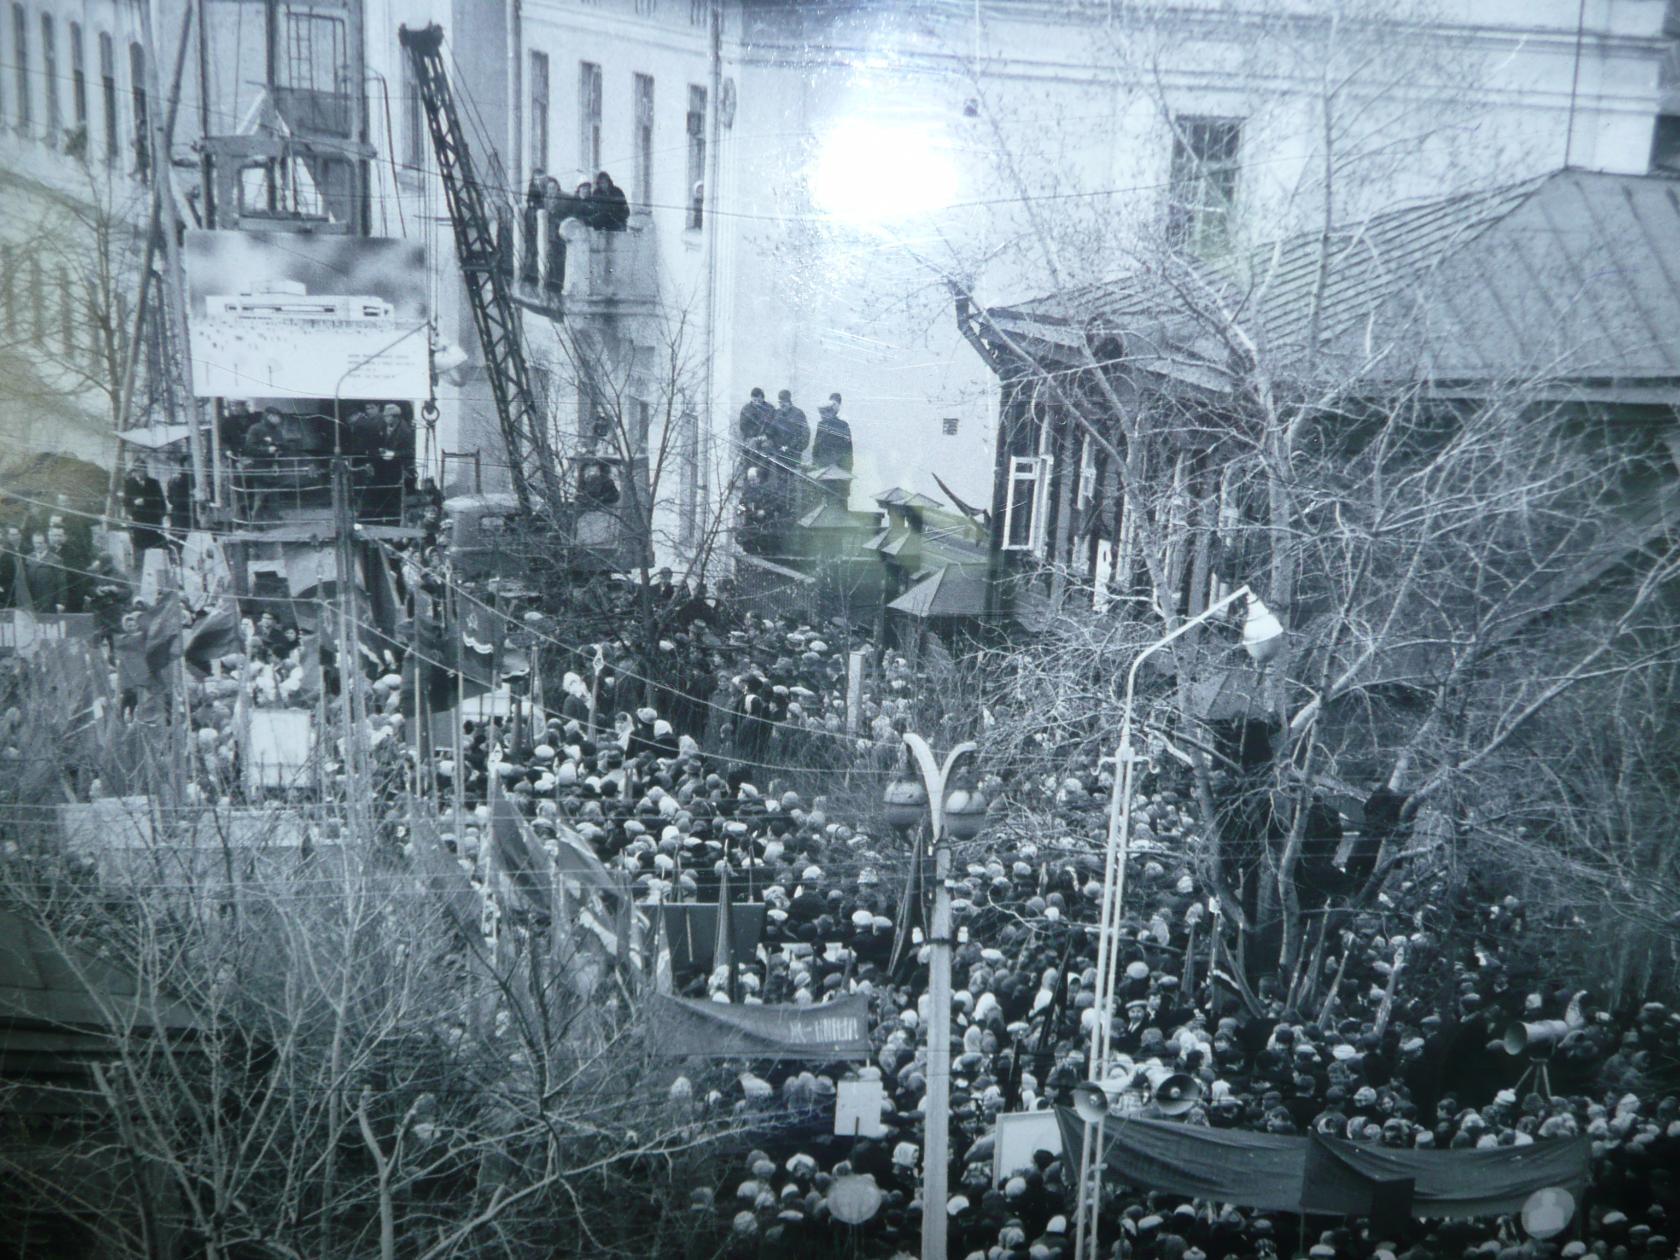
(40, 306)
(50, 97)
(590, 111)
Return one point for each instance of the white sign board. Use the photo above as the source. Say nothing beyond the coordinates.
(282, 315)
(854, 688)
(857, 1108)
(1019, 1134)
(278, 743)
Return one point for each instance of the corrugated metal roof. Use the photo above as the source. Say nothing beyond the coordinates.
(951, 592)
(1568, 276)
(830, 515)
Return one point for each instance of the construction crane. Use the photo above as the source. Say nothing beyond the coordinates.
(489, 291)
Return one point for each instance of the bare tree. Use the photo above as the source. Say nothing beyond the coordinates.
(340, 1047)
(1216, 415)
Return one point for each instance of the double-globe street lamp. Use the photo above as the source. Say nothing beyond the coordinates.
(951, 814)
(1262, 639)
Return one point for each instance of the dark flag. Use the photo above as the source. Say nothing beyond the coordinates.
(723, 951)
(160, 638)
(215, 636)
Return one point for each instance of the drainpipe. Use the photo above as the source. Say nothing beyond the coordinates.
(516, 107)
(709, 223)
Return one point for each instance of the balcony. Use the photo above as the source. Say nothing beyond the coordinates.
(578, 272)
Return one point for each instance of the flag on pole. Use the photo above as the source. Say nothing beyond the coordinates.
(215, 636)
(723, 947)
(160, 638)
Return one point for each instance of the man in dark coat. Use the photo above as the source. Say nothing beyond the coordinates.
(44, 575)
(144, 505)
(790, 431)
(234, 425)
(833, 443)
(609, 209)
(755, 418)
(391, 460)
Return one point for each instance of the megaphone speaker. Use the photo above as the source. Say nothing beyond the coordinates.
(1090, 1102)
(1174, 1092)
(1537, 1040)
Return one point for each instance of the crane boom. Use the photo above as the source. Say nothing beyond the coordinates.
(488, 288)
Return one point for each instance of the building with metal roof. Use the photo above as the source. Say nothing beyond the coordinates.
(1562, 289)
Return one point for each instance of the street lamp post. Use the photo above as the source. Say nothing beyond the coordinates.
(949, 814)
(1262, 639)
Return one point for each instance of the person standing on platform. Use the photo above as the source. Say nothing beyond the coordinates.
(833, 443)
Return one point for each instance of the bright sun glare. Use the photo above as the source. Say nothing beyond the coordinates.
(873, 173)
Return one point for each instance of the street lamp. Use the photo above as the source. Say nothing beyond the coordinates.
(958, 813)
(1262, 639)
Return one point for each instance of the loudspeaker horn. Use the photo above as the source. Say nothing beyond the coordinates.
(1090, 1102)
(1174, 1092)
(1537, 1040)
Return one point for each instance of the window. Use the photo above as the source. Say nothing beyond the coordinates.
(949, 425)
(1023, 506)
(78, 145)
(8, 294)
(20, 64)
(413, 115)
(142, 118)
(37, 303)
(315, 92)
(643, 412)
(1202, 189)
(49, 77)
(66, 312)
(646, 8)
(78, 77)
(108, 94)
(696, 155)
(644, 141)
(539, 112)
(589, 117)
(698, 12)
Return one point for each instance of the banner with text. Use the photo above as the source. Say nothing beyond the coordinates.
(722, 1030)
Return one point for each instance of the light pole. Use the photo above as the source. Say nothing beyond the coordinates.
(1262, 639)
(960, 814)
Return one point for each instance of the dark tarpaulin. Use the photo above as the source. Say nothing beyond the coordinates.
(1468, 1183)
(1259, 1170)
(1325, 1175)
(680, 1027)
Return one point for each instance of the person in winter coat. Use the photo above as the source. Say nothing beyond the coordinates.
(833, 443)
(609, 209)
(144, 505)
(790, 431)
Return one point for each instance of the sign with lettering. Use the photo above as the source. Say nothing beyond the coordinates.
(721, 1030)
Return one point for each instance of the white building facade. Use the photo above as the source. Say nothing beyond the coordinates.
(77, 95)
(868, 157)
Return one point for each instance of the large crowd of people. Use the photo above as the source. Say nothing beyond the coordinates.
(704, 755)
(1420, 1067)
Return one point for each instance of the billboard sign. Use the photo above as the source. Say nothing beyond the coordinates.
(278, 315)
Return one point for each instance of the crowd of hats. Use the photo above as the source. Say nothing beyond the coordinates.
(698, 784)
(653, 801)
